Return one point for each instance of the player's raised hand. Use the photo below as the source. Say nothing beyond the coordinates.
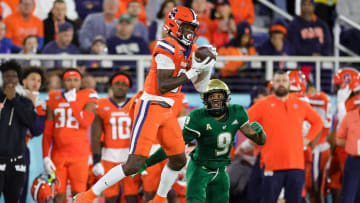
(49, 166)
(98, 169)
(70, 95)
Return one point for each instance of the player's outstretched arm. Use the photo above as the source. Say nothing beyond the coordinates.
(255, 132)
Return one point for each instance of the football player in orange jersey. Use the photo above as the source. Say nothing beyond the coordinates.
(69, 114)
(115, 124)
(173, 63)
(347, 85)
(321, 102)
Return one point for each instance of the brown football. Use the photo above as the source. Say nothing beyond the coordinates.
(202, 53)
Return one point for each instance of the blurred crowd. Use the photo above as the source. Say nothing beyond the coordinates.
(131, 27)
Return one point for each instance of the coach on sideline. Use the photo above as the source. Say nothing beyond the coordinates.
(282, 116)
(17, 114)
(348, 136)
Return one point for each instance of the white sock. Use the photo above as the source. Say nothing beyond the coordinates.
(110, 178)
(168, 177)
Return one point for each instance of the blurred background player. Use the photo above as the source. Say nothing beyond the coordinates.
(114, 124)
(321, 102)
(287, 172)
(32, 80)
(172, 65)
(347, 85)
(69, 114)
(17, 115)
(214, 127)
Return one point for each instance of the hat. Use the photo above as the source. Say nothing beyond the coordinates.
(63, 27)
(125, 17)
(278, 25)
(222, 2)
(243, 28)
(98, 39)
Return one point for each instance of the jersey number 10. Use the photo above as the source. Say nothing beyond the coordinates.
(121, 128)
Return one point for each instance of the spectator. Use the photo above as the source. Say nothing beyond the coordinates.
(140, 30)
(61, 45)
(157, 26)
(348, 136)
(53, 82)
(240, 45)
(4, 49)
(123, 6)
(309, 35)
(205, 23)
(98, 47)
(284, 139)
(99, 24)
(42, 9)
(17, 116)
(30, 45)
(325, 10)
(243, 10)
(152, 8)
(84, 8)
(224, 24)
(349, 9)
(277, 45)
(88, 81)
(56, 16)
(125, 43)
(21, 24)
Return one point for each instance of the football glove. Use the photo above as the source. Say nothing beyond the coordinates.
(49, 166)
(261, 136)
(98, 169)
(70, 95)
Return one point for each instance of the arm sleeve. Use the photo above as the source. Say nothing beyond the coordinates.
(24, 109)
(84, 117)
(190, 130)
(315, 121)
(85, 33)
(47, 137)
(157, 157)
(38, 126)
(343, 129)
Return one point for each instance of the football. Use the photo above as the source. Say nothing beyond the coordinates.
(202, 53)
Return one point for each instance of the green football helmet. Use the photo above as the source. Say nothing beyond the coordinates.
(216, 86)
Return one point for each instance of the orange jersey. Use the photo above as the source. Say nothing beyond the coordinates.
(349, 130)
(284, 134)
(68, 138)
(352, 103)
(322, 105)
(180, 57)
(116, 124)
(17, 28)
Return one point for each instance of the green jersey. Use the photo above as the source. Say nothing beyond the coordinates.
(214, 138)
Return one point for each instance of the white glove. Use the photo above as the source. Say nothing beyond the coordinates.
(212, 49)
(98, 169)
(70, 95)
(343, 95)
(49, 166)
(198, 67)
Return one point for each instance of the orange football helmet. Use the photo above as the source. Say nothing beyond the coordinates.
(43, 188)
(297, 81)
(347, 76)
(175, 21)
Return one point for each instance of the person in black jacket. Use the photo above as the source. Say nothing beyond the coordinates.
(17, 115)
(57, 15)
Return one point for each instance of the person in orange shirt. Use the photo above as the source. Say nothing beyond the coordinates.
(69, 114)
(282, 156)
(21, 24)
(348, 136)
(123, 6)
(347, 85)
(115, 124)
(320, 101)
(243, 10)
(242, 44)
(205, 23)
(173, 63)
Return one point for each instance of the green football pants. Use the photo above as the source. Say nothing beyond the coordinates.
(205, 184)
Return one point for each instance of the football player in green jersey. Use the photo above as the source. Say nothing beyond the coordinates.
(214, 127)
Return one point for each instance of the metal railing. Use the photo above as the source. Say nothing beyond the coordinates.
(143, 60)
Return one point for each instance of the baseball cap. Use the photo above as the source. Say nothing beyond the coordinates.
(63, 27)
(222, 2)
(98, 39)
(125, 17)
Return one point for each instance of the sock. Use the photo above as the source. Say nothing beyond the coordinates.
(110, 178)
(168, 177)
